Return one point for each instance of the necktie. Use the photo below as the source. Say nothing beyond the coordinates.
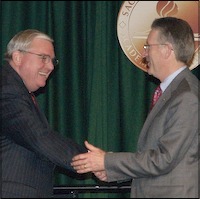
(34, 99)
(157, 94)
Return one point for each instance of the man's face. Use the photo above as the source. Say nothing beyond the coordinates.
(154, 54)
(32, 69)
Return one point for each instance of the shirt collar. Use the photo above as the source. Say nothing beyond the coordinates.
(169, 79)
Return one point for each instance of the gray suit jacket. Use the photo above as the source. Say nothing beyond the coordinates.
(166, 162)
(30, 149)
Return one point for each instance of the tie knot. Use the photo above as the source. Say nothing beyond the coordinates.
(158, 90)
(157, 94)
(34, 99)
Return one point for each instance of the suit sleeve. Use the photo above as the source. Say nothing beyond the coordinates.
(27, 127)
(165, 146)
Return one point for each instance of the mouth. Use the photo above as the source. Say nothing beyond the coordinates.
(43, 74)
(146, 62)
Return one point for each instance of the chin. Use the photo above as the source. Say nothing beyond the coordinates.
(149, 71)
(43, 84)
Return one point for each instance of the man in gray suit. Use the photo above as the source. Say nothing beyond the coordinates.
(30, 149)
(165, 164)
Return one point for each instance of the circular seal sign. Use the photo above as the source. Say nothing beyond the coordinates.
(135, 18)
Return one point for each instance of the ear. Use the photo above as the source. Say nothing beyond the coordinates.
(168, 50)
(17, 57)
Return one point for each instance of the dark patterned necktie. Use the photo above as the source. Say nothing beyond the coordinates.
(34, 99)
(157, 94)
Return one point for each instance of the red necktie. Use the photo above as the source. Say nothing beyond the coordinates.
(157, 94)
(34, 99)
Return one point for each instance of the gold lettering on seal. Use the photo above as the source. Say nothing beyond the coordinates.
(128, 7)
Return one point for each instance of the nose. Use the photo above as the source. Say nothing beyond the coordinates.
(50, 66)
(144, 53)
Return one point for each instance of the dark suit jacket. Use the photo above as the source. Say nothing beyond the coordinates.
(166, 163)
(30, 149)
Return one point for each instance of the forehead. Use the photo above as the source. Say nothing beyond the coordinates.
(43, 45)
(38, 42)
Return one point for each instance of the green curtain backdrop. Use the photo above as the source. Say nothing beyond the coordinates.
(95, 93)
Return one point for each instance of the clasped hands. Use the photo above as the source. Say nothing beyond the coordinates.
(93, 161)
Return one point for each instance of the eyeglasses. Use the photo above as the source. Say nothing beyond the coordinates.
(45, 58)
(147, 46)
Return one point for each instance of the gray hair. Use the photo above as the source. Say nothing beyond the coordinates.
(179, 33)
(23, 40)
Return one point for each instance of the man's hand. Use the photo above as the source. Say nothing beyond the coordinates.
(101, 175)
(93, 161)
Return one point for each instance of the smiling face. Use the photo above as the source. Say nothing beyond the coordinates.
(159, 56)
(31, 67)
(153, 54)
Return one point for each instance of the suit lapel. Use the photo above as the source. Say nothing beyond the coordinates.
(152, 114)
(165, 97)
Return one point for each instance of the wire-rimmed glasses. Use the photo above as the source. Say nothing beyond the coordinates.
(147, 46)
(45, 58)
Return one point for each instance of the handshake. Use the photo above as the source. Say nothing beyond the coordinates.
(93, 161)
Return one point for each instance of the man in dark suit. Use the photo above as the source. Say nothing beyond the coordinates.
(30, 149)
(166, 162)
